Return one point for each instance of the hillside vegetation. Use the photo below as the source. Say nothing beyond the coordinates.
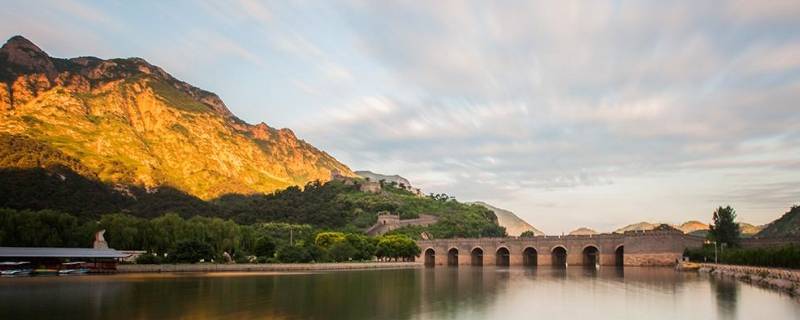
(787, 225)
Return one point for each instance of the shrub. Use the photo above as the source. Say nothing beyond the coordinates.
(148, 258)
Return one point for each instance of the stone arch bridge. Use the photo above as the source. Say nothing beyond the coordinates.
(642, 248)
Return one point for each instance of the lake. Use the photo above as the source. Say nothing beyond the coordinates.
(425, 293)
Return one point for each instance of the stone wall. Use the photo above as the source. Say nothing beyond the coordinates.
(782, 279)
(651, 248)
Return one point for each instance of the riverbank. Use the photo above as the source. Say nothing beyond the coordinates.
(262, 267)
(780, 279)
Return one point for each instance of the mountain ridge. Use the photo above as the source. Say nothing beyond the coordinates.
(132, 123)
(514, 224)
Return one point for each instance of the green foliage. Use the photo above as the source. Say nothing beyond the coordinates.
(44, 228)
(191, 251)
(176, 98)
(294, 254)
(776, 257)
(264, 247)
(725, 229)
(787, 225)
(527, 234)
(341, 251)
(327, 239)
(396, 246)
(364, 246)
(781, 257)
(149, 258)
(190, 240)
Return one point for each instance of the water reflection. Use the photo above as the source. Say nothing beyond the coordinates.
(425, 293)
(727, 294)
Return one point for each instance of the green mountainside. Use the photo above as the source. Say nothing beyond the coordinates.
(129, 123)
(787, 225)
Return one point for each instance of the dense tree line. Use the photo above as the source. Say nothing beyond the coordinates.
(778, 257)
(171, 238)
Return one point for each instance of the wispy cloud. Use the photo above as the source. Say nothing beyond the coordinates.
(561, 111)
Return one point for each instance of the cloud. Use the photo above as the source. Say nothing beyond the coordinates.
(559, 111)
(519, 100)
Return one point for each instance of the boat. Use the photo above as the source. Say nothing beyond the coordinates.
(72, 268)
(15, 268)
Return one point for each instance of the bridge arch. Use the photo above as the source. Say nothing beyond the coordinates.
(503, 256)
(558, 256)
(452, 257)
(430, 257)
(530, 256)
(619, 255)
(476, 256)
(591, 255)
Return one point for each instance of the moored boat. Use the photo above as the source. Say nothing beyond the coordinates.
(72, 268)
(15, 268)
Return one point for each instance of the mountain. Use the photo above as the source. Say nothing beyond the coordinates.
(387, 178)
(749, 229)
(129, 123)
(692, 226)
(641, 226)
(514, 225)
(787, 225)
(582, 232)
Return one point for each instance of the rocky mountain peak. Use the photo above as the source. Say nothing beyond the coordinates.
(20, 55)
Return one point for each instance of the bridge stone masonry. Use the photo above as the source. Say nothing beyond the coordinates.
(633, 248)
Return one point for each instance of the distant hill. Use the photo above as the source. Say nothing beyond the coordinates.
(749, 229)
(786, 226)
(692, 226)
(641, 226)
(582, 232)
(514, 225)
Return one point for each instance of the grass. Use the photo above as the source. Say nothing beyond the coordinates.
(175, 98)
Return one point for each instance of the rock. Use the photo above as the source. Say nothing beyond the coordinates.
(705, 270)
(781, 284)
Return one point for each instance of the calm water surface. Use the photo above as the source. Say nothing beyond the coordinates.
(436, 293)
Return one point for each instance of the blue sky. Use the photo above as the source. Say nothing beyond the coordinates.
(569, 113)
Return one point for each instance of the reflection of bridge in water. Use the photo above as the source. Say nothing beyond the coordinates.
(647, 248)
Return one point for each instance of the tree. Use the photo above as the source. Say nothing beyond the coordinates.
(293, 254)
(191, 251)
(264, 247)
(725, 229)
(341, 251)
(397, 246)
(364, 246)
(527, 234)
(327, 239)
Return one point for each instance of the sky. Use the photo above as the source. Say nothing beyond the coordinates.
(568, 113)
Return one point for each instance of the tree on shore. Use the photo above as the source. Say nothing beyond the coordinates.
(725, 229)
